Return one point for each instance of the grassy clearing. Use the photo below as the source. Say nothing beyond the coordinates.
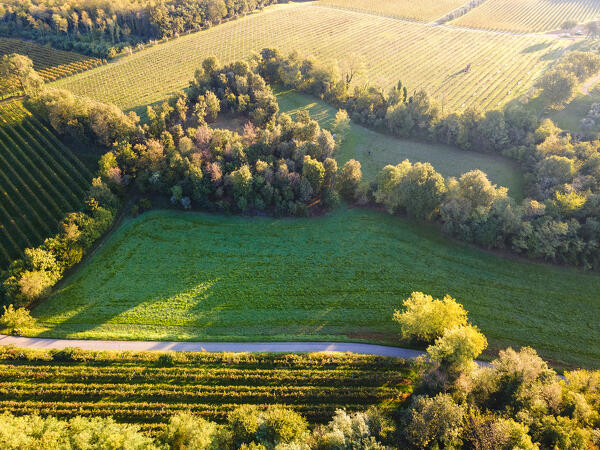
(422, 56)
(421, 10)
(170, 275)
(50, 63)
(528, 15)
(134, 387)
(375, 150)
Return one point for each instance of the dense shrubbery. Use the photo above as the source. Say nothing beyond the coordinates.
(105, 27)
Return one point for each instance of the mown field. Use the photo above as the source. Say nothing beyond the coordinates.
(40, 181)
(528, 15)
(337, 277)
(50, 63)
(375, 150)
(144, 389)
(421, 10)
(422, 56)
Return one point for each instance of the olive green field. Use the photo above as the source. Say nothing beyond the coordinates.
(170, 275)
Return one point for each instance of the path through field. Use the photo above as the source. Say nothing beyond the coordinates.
(233, 347)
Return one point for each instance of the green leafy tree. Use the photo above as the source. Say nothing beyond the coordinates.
(16, 320)
(456, 349)
(425, 318)
(434, 422)
(314, 171)
(557, 87)
(18, 75)
(349, 179)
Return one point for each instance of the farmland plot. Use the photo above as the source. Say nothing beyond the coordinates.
(50, 63)
(421, 10)
(133, 388)
(528, 15)
(40, 181)
(500, 67)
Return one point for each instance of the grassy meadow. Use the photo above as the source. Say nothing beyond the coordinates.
(421, 55)
(375, 150)
(528, 15)
(336, 277)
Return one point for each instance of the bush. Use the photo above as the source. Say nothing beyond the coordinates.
(16, 320)
(424, 318)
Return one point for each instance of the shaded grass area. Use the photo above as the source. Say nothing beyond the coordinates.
(569, 118)
(376, 150)
(170, 275)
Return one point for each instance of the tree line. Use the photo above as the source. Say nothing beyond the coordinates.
(558, 221)
(104, 28)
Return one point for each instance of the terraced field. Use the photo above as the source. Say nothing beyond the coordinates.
(528, 15)
(40, 180)
(141, 388)
(422, 56)
(421, 10)
(50, 63)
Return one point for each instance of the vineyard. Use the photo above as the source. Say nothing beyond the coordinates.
(421, 10)
(50, 63)
(147, 388)
(40, 181)
(500, 66)
(528, 15)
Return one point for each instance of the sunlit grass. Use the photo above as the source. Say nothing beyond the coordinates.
(173, 275)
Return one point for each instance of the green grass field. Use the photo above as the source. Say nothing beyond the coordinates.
(422, 56)
(185, 276)
(375, 150)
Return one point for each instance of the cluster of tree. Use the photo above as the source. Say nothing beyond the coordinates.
(515, 402)
(18, 76)
(558, 84)
(277, 164)
(31, 277)
(105, 27)
(563, 228)
(558, 221)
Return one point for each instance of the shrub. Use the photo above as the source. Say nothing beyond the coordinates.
(15, 320)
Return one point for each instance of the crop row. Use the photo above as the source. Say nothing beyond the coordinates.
(422, 56)
(50, 63)
(40, 181)
(197, 376)
(421, 10)
(528, 15)
(134, 388)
